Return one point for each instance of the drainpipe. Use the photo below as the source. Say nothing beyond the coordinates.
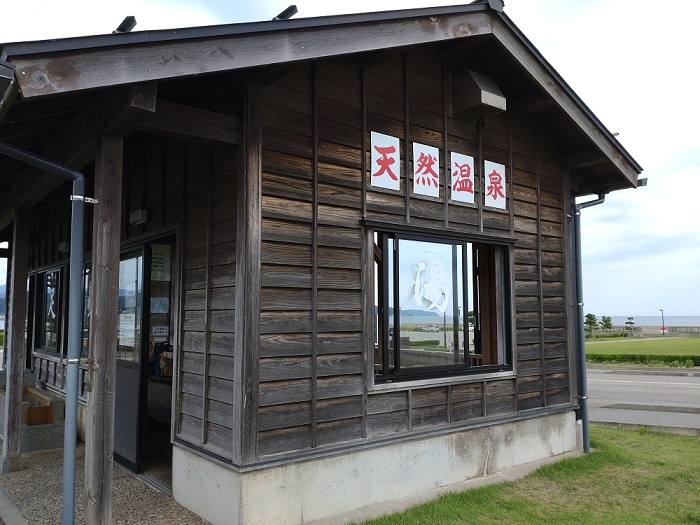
(74, 316)
(583, 385)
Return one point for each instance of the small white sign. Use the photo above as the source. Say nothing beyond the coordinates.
(386, 162)
(426, 170)
(462, 185)
(126, 329)
(494, 185)
(160, 331)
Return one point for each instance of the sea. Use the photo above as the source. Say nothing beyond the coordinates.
(655, 320)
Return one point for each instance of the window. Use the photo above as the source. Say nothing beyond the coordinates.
(87, 290)
(51, 310)
(442, 306)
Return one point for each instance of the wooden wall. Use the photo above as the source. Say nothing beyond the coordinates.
(204, 411)
(315, 192)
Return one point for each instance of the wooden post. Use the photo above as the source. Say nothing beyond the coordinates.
(247, 338)
(12, 431)
(99, 451)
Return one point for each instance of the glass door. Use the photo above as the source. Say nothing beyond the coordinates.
(129, 388)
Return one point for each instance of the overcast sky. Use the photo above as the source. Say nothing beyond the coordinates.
(627, 60)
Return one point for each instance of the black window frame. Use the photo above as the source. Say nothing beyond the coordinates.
(496, 254)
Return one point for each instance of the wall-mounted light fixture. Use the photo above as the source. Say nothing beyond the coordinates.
(138, 217)
(63, 247)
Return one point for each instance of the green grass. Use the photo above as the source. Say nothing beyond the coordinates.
(658, 351)
(631, 477)
(683, 346)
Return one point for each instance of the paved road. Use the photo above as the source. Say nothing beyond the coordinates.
(645, 396)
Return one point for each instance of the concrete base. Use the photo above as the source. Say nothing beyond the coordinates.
(11, 464)
(320, 488)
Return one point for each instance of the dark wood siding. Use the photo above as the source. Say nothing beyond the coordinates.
(205, 407)
(317, 119)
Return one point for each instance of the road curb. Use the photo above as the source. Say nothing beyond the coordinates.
(683, 431)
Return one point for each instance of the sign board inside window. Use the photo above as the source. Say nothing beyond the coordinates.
(161, 257)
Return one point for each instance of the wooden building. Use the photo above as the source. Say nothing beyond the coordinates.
(332, 257)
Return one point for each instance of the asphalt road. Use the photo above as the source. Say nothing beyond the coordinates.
(666, 397)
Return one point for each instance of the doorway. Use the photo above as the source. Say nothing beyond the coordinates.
(143, 404)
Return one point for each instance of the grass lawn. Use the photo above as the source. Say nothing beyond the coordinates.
(630, 477)
(682, 346)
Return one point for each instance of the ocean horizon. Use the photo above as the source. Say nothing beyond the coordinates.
(655, 320)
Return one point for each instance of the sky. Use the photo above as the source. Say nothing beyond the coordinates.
(626, 60)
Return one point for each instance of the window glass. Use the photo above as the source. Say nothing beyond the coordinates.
(51, 313)
(87, 290)
(130, 311)
(442, 305)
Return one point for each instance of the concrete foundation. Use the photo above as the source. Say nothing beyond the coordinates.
(319, 488)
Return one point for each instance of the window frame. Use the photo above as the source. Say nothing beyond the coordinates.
(500, 251)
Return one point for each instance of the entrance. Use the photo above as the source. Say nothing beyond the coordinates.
(143, 397)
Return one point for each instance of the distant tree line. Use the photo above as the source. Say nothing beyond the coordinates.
(592, 324)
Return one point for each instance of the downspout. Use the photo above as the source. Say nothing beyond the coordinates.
(583, 385)
(78, 200)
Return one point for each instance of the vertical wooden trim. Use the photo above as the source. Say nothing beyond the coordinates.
(99, 444)
(407, 140)
(571, 310)
(511, 208)
(247, 321)
(178, 280)
(449, 403)
(409, 393)
(479, 171)
(367, 320)
(539, 274)
(364, 143)
(163, 164)
(12, 428)
(314, 266)
(446, 163)
(367, 255)
(207, 301)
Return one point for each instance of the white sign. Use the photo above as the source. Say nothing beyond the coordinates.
(462, 185)
(426, 170)
(160, 331)
(494, 185)
(386, 162)
(160, 262)
(126, 329)
(160, 305)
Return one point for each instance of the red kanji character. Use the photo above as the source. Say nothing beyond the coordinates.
(495, 189)
(426, 171)
(464, 181)
(385, 161)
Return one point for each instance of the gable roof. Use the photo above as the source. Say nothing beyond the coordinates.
(56, 78)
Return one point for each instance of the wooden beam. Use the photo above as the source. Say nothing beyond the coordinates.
(12, 431)
(113, 112)
(99, 449)
(583, 159)
(380, 57)
(83, 69)
(247, 329)
(528, 105)
(188, 123)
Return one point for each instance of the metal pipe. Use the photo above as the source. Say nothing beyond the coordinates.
(74, 318)
(583, 385)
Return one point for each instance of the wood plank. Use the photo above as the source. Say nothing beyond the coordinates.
(99, 446)
(16, 348)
